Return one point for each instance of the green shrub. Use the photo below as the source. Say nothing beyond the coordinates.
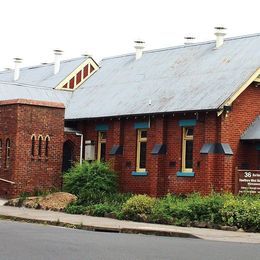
(243, 213)
(100, 210)
(75, 209)
(162, 211)
(207, 208)
(90, 182)
(138, 208)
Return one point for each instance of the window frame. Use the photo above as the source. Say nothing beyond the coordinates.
(47, 145)
(140, 140)
(1, 152)
(7, 153)
(100, 142)
(33, 139)
(185, 138)
(40, 143)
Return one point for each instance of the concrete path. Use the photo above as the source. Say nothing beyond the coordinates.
(120, 226)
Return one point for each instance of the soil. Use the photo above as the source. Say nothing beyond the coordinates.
(57, 201)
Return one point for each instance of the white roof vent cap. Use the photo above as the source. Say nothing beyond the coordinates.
(220, 34)
(57, 58)
(139, 46)
(17, 63)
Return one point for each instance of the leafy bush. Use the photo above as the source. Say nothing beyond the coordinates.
(207, 208)
(138, 207)
(243, 213)
(100, 210)
(91, 182)
(75, 209)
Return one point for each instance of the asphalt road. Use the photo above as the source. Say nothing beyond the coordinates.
(33, 241)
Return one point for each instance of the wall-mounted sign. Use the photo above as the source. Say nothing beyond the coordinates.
(247, 181)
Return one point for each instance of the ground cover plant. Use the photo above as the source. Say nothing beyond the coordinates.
(96, 187)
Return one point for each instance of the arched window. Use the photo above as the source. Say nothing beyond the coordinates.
(40, 146)
(33, 146)
(1, 152)
(47, 140)
(7, 153)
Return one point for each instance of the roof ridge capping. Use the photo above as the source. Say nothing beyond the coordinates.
(184, 46)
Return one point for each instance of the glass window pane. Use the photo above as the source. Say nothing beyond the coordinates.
(189, 154)
(189, 132)
(143, 134)
(142, 155)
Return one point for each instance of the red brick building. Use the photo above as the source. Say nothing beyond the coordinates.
(173, 120)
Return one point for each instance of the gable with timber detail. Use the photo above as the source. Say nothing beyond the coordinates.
(255, 77)
(78, 76)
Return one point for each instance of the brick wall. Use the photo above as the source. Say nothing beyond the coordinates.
(212, 171)
(21, 120)
(244, 111)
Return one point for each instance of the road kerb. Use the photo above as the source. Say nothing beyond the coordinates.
(144, 231)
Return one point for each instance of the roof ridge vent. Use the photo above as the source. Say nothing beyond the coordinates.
(220, 34)
(139, 46)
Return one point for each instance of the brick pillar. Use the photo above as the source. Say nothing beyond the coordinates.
(156, 165)
(210, 162)
(116, 160)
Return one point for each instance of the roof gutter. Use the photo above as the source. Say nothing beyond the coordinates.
(144, 114)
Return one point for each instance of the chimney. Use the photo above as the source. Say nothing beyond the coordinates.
(139, 46)
(188, 40)
(219, 36)
(17, 62)
(57, 54)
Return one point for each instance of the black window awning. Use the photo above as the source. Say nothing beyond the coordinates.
(253, 131)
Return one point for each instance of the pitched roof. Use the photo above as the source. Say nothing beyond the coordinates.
(253, 131)
(9, 90)
(42, 75)
(183, 78)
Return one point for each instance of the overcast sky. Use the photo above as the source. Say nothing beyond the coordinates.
(31, 29)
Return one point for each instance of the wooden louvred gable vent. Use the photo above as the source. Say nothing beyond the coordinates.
(78, 76)
(85, 73)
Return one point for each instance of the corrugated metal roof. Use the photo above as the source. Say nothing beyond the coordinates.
(253, 131)
(43, 75)
(18, 91)
(184, 78)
